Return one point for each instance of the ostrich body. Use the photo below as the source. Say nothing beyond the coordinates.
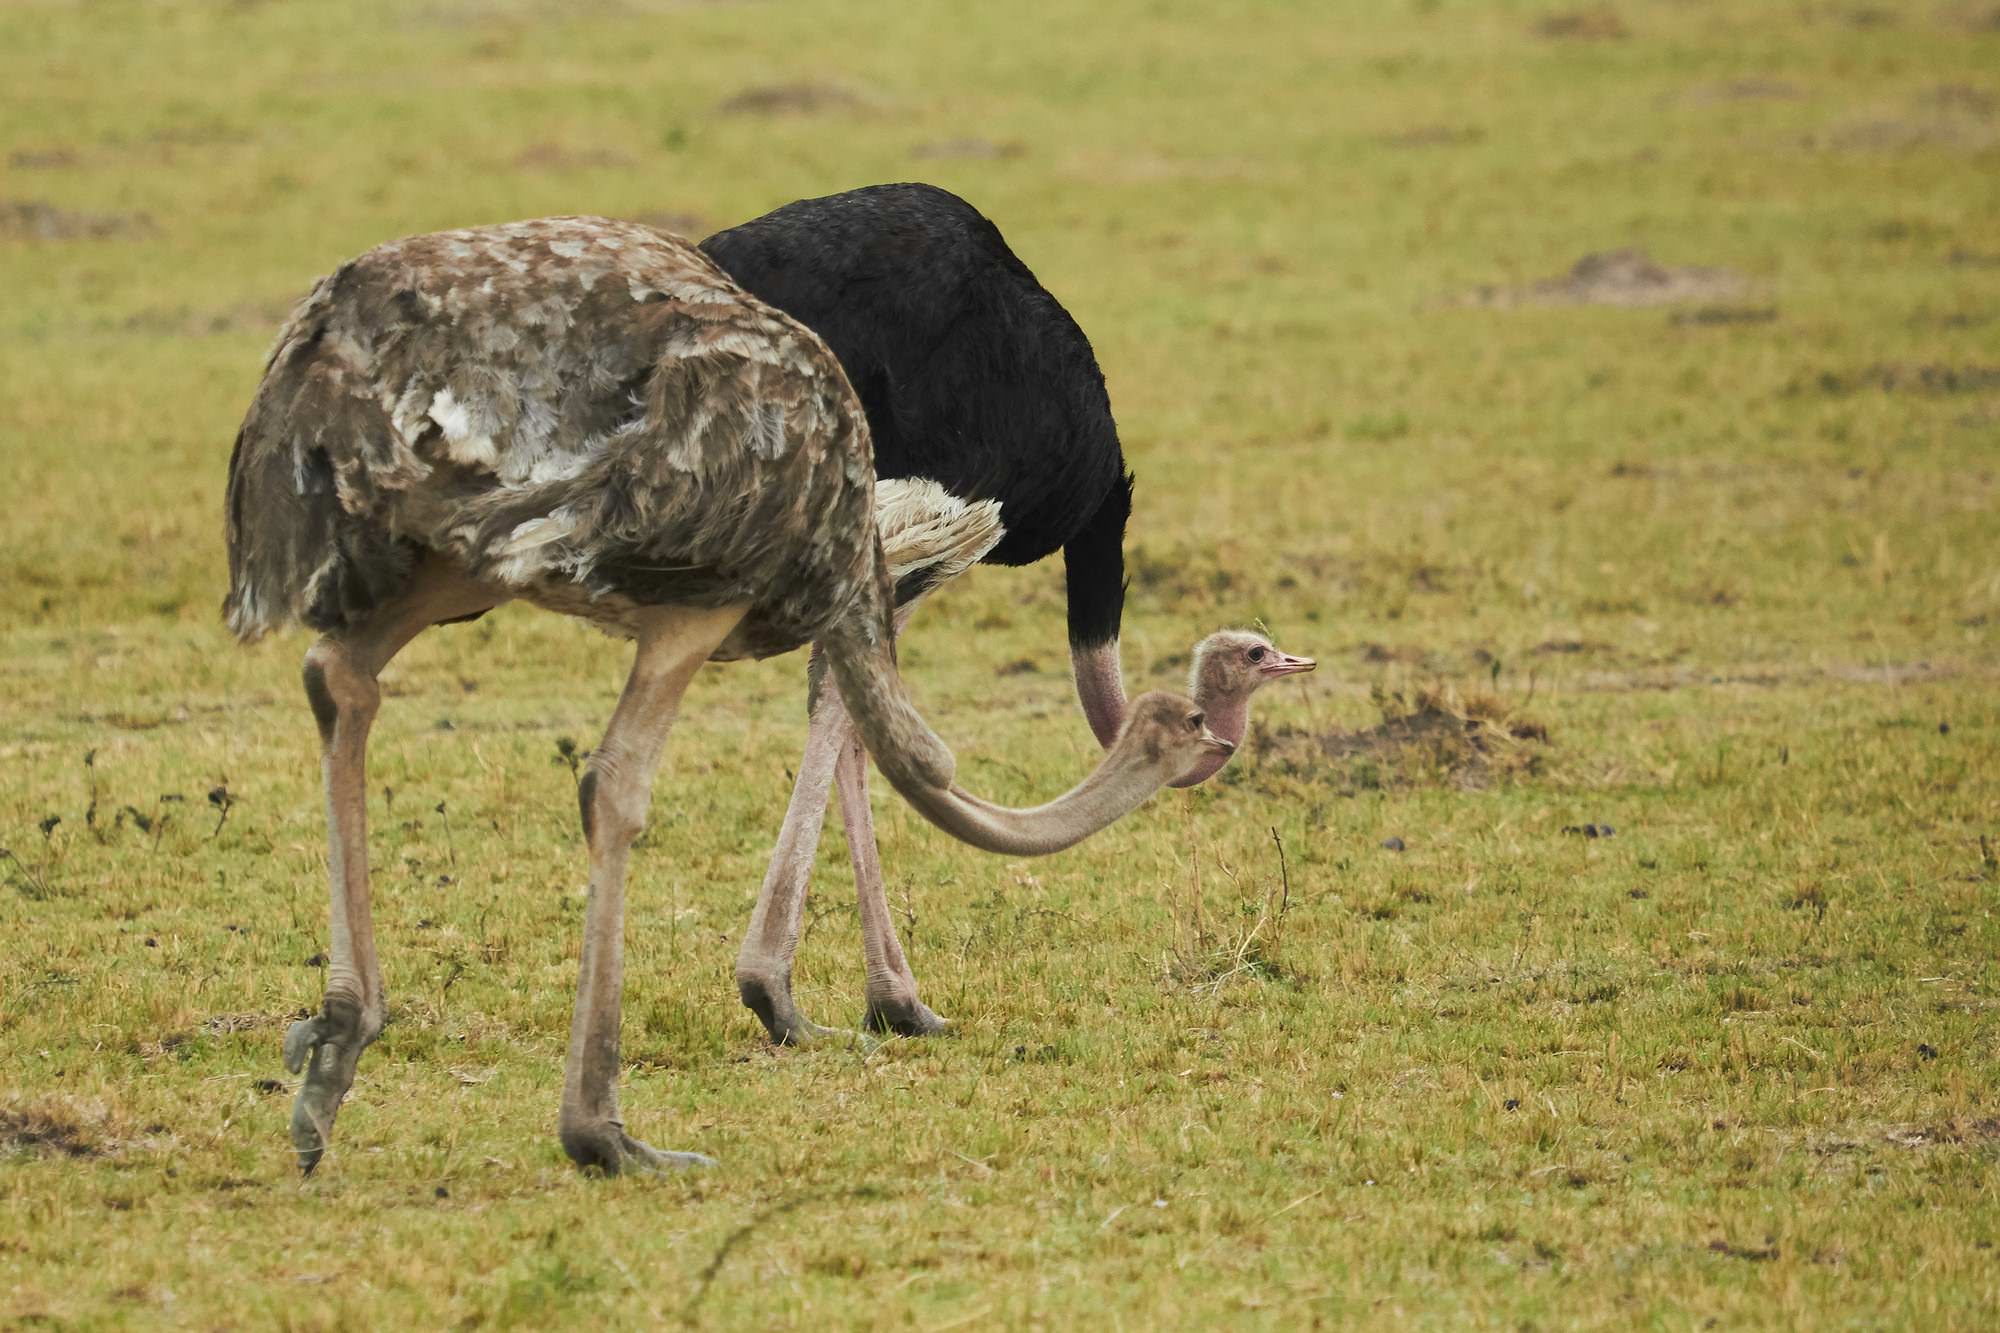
(588, 416)
(975, 378)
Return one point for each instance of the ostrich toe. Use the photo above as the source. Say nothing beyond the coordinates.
(604, 1146)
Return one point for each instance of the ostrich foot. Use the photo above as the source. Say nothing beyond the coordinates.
(771, 1001)
(327, 1046)
(904, 1015)
(604, 1146)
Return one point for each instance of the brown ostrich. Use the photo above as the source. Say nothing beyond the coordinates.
(589, 416)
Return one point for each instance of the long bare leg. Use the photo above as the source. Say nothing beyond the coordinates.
(893, 1005)
(340, 681)
(614, 796)
(764, 964)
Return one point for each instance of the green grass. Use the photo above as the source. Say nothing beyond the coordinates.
(1736, 1064)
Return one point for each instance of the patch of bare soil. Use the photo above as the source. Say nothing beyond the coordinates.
(1435, 136)
(1932, 379)
(558, 157)
(35, 220)
(691, 225)
(1746, 90)
(1868, 16)
(41, 159)
(250, 317)
(971, 148)
(1627, 277)
(1963, 99)
(1436, 733)
(1696, 678)
(1967, 134)
(1401, 654)
(1601, 24)
(1709, 316)
(41, 1129)
(1960, 1131)
(804, 98)
(1758, 1254)
(222, 1025)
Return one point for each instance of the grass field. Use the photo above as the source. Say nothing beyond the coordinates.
(1705, 544)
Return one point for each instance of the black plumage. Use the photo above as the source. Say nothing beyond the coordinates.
(970, 372)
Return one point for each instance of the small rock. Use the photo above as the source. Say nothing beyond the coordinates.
(1393, 844)
(1944, 728)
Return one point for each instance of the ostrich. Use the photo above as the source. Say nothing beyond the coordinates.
(974, 377)
(591, 417)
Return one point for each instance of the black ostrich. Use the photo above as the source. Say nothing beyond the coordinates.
(974, 377)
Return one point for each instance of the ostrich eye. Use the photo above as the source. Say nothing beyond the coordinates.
(1194, 721)
(1256, 654)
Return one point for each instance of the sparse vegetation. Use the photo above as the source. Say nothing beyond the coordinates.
(1605, 394)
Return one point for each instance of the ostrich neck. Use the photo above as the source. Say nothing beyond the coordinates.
(1229, 718)
(1100, 688)
(920, 767)
(1114, 789)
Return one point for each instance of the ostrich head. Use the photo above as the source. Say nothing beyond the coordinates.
(1230, 666)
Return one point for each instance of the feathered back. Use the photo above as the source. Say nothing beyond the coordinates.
(970, 371)
(585, 412)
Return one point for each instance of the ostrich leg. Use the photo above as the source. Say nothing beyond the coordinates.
(614, 796)
(764, 964)
(340, 681)
(893, 1005)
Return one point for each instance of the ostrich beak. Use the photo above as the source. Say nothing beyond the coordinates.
(1284, 664)
(1214, 742)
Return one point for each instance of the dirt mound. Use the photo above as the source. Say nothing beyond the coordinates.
(35, 220)
(39, 1129)
(1583, 25)
(1933, 379)
(1619, 278)
(1434, 734)
(1747, 90)
(557, 157)
(1435, 136)
(41, 159)
(252, 316)
(790, 99)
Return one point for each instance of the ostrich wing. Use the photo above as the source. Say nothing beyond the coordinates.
(584, 411)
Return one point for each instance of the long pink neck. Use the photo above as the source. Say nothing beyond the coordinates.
(1100, 688)
(920, 767)
(1229, 718)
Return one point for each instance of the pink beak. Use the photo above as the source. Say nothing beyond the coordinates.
(1284, 664)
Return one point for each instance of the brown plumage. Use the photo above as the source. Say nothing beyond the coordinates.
(589, 416)
(585, 412)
